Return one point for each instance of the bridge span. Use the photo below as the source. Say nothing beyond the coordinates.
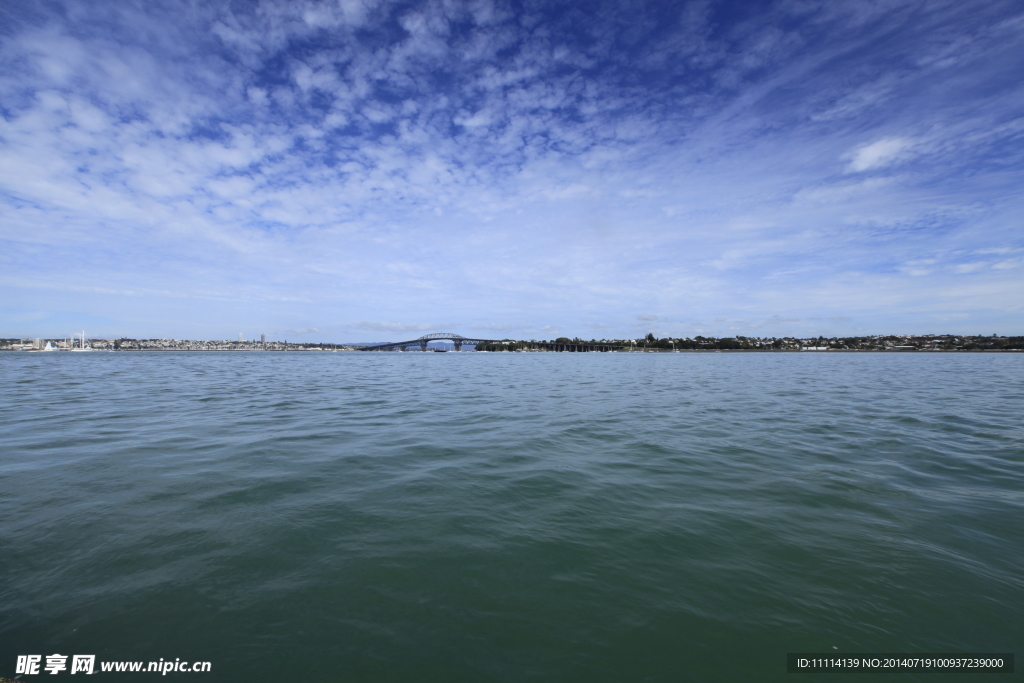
(422, 342)
(459, 340)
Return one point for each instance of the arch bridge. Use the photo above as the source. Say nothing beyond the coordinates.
(422, 342)
(459, 340)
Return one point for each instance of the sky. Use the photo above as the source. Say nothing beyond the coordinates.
(364, 170)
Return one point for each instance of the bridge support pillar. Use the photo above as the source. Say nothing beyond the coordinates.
(458, 346)
(423, 346)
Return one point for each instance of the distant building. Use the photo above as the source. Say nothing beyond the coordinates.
(263, 339)
(240, 337)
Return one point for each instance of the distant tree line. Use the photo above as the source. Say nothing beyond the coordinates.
(878, 342)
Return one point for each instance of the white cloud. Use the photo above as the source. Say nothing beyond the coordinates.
(1006, 265)
(879, 154)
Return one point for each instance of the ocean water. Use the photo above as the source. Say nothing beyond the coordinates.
(509, 517)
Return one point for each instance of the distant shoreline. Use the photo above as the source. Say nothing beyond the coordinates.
(648, 351)
(451, 342)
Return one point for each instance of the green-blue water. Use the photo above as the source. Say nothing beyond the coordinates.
(509, 517)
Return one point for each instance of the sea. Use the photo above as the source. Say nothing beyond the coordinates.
(508, 516)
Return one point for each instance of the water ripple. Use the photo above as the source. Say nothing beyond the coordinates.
(509, 516)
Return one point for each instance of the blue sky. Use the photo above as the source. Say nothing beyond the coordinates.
(363, 170)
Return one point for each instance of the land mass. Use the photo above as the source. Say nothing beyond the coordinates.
(648, 344)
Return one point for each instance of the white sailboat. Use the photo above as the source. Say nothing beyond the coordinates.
(83, 347)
